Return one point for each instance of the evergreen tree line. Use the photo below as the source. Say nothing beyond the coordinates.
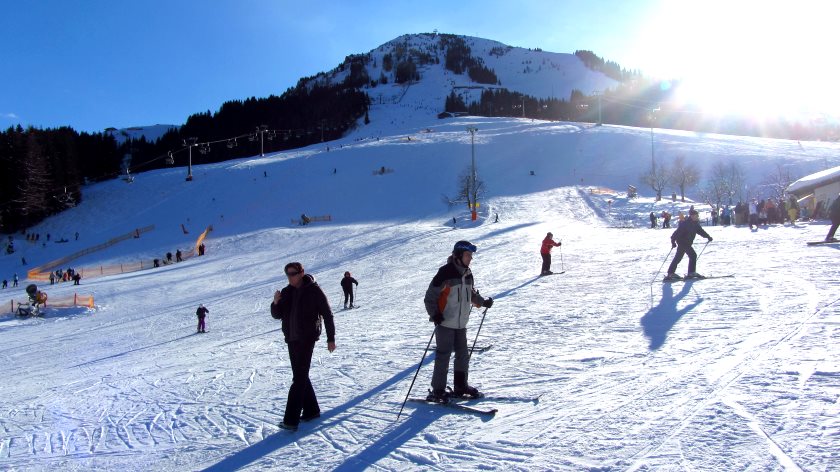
(42, 170)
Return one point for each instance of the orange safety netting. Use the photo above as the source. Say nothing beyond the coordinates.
(58, 302)
(42, 273)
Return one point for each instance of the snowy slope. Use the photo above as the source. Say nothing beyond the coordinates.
(726, 374)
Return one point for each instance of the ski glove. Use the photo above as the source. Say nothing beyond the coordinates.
(710, 239)
(673, 244)
(437, 318)
(488, 303)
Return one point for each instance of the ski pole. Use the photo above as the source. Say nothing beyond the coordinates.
(417, 372)
(660, 267)
(476, 333)
(561, 256)
(704, 248)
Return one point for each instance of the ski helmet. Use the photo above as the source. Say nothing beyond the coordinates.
(462, 246)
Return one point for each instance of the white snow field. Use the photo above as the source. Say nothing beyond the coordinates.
(608, 368)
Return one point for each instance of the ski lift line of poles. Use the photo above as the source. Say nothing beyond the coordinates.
(231, 143)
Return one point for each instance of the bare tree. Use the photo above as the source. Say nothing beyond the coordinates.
(777, 181)
(684, 175)
(657, 177)
(725, 182)
(465, 193)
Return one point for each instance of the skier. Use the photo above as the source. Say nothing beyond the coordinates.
(652, 220)
(347, 285)
(14, 280)
(545, 252)
(682, 238)
(178, 257)
(834, 214)
(303, 308)
(201, 313)
(449, 300)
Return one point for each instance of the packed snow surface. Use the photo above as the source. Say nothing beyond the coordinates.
(605, 367)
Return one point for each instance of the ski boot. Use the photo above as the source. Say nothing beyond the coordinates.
(694, 275)
(437, 396)
(671, 277)
(463, 389)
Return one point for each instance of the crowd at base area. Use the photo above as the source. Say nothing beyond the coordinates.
(59, 276)
(755, 213)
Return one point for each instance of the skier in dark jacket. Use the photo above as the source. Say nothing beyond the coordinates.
(302, 307)
(449, 300)
(347, 285)
(834, 214)
(682, 238)
(201, 312)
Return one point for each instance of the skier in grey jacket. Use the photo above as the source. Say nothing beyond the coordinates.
(449, 300)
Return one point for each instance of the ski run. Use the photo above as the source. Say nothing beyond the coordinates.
(617, 370)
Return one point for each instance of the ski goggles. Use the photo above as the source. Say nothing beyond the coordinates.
(466, 247)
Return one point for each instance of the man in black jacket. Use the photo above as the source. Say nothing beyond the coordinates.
(302, 307)
(682, 238)
(347, 287)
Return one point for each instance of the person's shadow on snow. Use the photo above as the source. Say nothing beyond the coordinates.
(660, 319)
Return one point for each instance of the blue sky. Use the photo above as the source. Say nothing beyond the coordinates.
(94, 64)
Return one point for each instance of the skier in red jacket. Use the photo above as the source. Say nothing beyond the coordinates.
(545, 252)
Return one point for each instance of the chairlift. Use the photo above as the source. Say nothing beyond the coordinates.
(170, 159)
(231, 144)
(252, 137)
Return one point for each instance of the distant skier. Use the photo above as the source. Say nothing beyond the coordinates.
(652, 220)
(15, 280)
(178, 257)
(449, 300)
(545, 251)
(834, 214)
(201, 312)
(347, 285)
(682, 238)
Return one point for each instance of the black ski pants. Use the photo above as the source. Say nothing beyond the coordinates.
(301, 398)
(348, 295)
(681, 251)
(546, 265)
(833, 229)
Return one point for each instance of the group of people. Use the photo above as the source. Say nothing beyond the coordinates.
(763, 212)
(304, 312)
(59, 275)
(14, 281)
(168, 260)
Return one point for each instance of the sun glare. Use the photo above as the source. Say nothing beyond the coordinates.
(757, 58)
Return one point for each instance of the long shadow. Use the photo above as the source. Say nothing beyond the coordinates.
(660, 319)
(132, 350)
(338, 414)
(505, 230)
(510, 291)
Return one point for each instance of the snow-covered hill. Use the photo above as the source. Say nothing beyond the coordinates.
(151, 133)
(623, 373)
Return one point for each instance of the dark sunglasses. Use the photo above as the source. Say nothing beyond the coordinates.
(292, 274)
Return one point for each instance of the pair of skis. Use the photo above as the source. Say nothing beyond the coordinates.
(704, 277)
(457, 403)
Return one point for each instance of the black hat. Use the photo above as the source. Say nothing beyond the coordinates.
(693, 212)
(462, 246)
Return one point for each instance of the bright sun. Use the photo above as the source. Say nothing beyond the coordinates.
(765, 58)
